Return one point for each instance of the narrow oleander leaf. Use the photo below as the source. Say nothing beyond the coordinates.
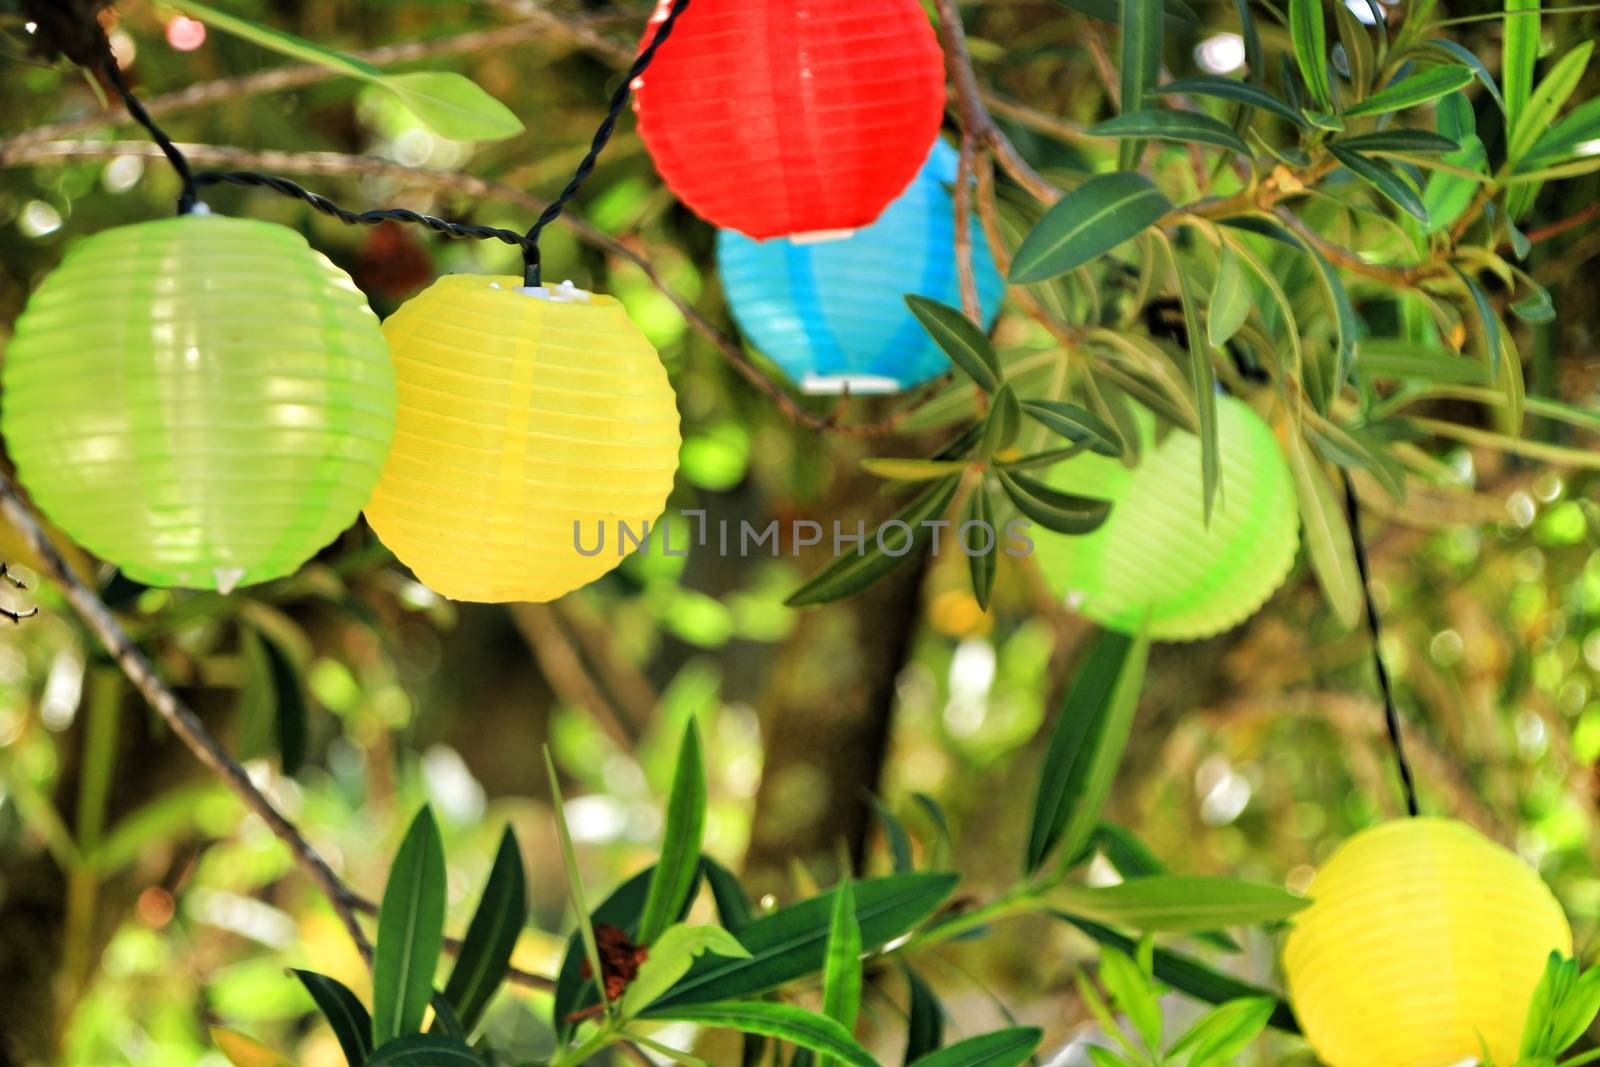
(1002, 1048)
(1327, 533)
(1546, 101)
(1092, 219)
(1309, 35)
(1347, 327)
(1002, 424)
(841, 969)
(894, 834)
(851, 573)
(1202, 384)
(1255, 63)
(733, 903)
(1178, 126)
(982, 566)
(285, 44)
(1385, 179)
(1174, 903)
(1420, 88)
(1076, 424)
(453, 106)
(1237, 91)
(820, 1034)
(791, 942)
(967, 346)
(346, 1015)
(1131, 994)
(1448, 195)
(243, 1051)
(670, 958)
(1569, 137)
(1536, 308)
(1054, 510)
(1488, 321)
(1356, 43)
(913, 470)
(574, 993)
(1231, 299)
(575, 892)
(445, 1020)
(1396, 359)
(1423, 142)
(1467, 57)
(1132, 858)
(678, 868)
(289, 704)
(425, 1050)
(1086, 745)
(491, 935)
(1226, 1031)
(925, 1020)
(1143, 32)
(410, 932)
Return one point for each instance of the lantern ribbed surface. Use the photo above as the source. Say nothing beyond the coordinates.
(782, 118)
(1156, 558)
(833, 313)
(203, 401)
(520, 417)
(1422, 935)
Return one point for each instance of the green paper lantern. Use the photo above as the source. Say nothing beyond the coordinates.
(1156, 558)
(203, 401)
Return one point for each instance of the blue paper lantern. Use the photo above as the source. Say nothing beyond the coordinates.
(832, 313)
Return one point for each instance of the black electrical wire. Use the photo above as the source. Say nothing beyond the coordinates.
(1391, 713)
(189, 197)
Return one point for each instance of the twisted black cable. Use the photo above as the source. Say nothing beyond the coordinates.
(619, 100)
(189, 197)
(1391, 714)
(363, 218)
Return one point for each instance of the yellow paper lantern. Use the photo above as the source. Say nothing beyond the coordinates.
(203, 401)
(531, 422)
(1422, 936)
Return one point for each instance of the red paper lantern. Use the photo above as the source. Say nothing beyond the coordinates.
(782, 117)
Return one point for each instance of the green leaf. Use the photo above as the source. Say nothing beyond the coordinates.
(894, 834)
(1086, 745)
(1002, 424)
(573, 992)
(1236, 91)
(1132, 995)
(453, 106)
(1310, 37)
(448, 104)
(1391, 358)
(1326, 533)
(1465, 55)
(445, 1020)
(1090, 220)
(410, 932)
(1518, 57)
(1417, 89)
(575, 893)
(783, 1021)
(1111, 10)
(1488, 321)
(491, 936)
(679, 865)
(1174, 903)
(1578, 128)
(345, 1014)
(670, 957)
(1231, 300)
(1143, 31)
(841, 970)
(925, 1025)
(289, 701)
(1225, 1031)
(1202, 383)
(913, 470)
(733, 903)
(1384, 178)
(791, 942)
(1546, 101)
(982, 566)
(1448, 195)
(1076, 424)
(849, 574)
(1356, 43)
(425, 1050)
(1346, 326)
(1178, 126)
(1536, 308)
(967, 346)
(1187, 974)
(1423, 142)
(1002, 1048)
(1054, 510)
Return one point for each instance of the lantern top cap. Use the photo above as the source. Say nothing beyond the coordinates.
(565, 293)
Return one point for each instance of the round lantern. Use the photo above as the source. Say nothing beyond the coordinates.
(203, 401)
(797, 117)
(538, 434)
(831, 314)
(1156, 562)
(1422, 938)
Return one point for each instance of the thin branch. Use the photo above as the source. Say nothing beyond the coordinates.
(336, 163)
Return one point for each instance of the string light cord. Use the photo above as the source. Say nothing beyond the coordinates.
(619, 101)
(190, 196)
(1391, 713)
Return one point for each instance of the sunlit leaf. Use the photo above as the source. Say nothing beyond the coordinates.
(677, 869)
(787, 1023)
(670, 957)
(1309, 35)
(850, 573)
(410, 932)
(1172, 903)
(1090, 220)
(1411, 91)
(1177, 126)
(1002, 1048)
(1326, 533)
